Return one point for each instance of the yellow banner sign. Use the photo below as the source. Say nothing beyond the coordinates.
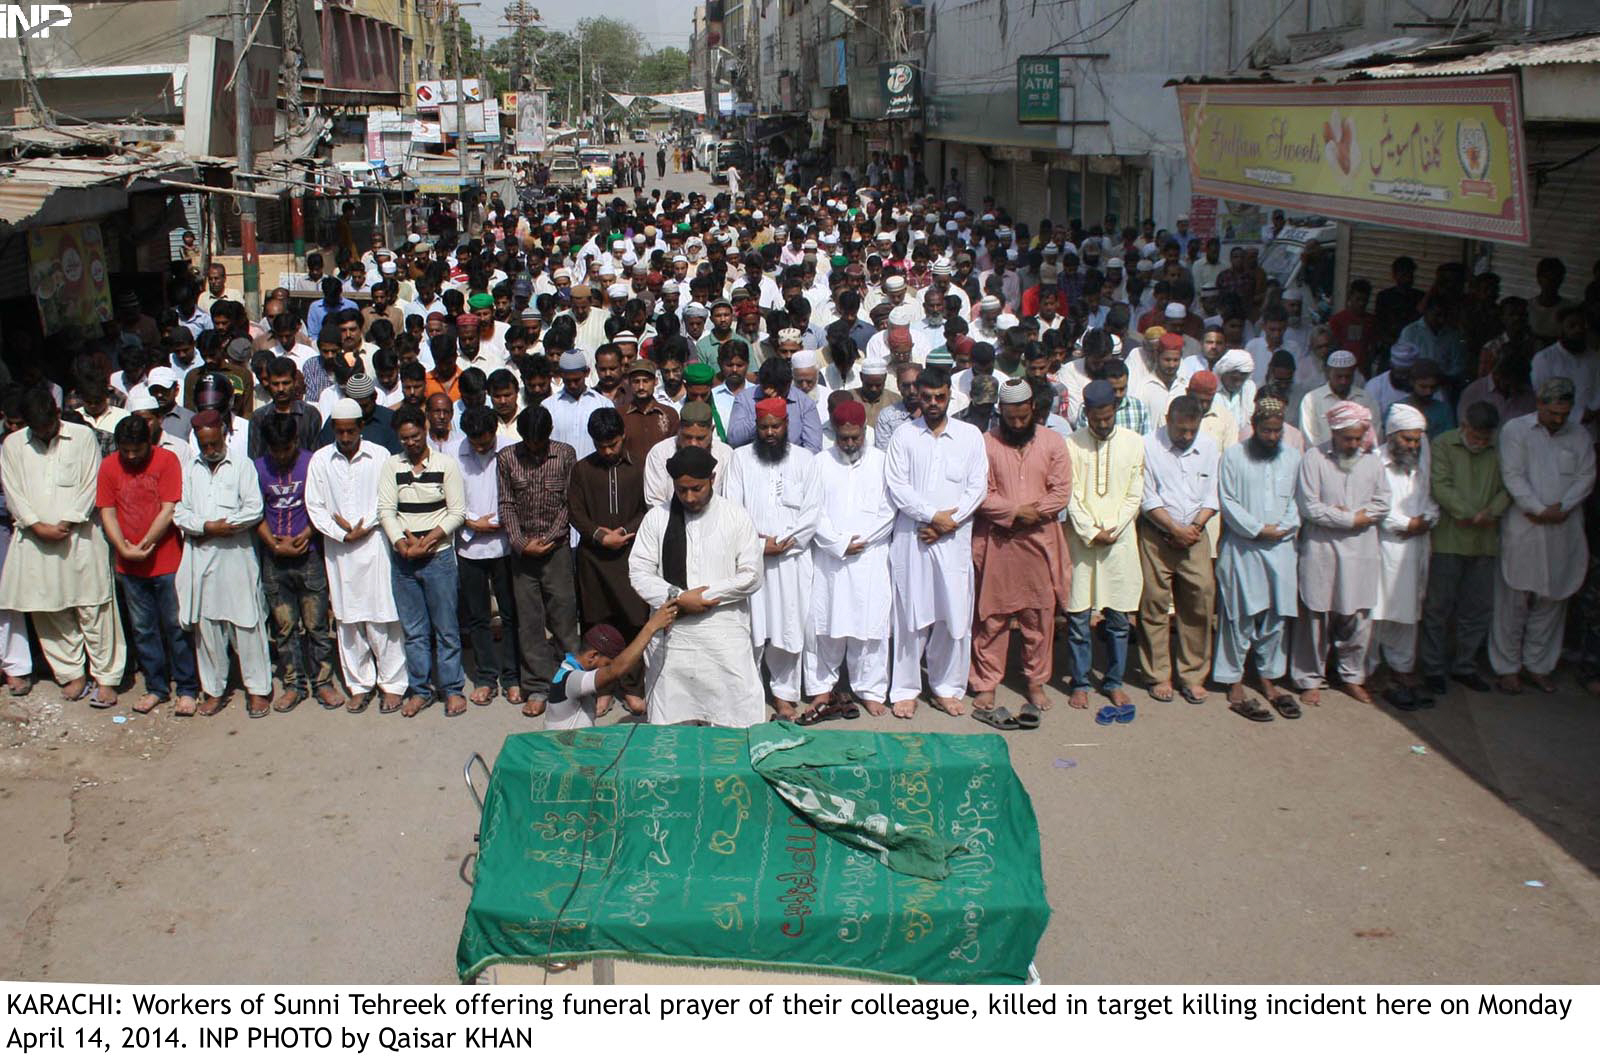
(1442, 155)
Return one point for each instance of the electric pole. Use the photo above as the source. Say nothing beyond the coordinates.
(461, 96)
(242, 108)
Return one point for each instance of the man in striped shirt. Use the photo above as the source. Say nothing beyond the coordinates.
(421, 505)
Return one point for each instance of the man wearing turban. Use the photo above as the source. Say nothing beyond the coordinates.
(1344, 496)
(1403, 547)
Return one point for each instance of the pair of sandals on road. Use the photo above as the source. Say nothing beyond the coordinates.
(999, 717)
(1284, 705)
(839, 706)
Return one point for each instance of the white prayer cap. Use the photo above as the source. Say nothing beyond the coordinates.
(875, 366)
(1176, 310)
(960, 215)
(618, 291)
(388, 268)
(618, 244)
(809, 245)
(573, 361)
(624, 337)
(829, 238)
(789, 335)
(1013, 254)
(757, 215)
(162, 376)
(1341, 360)
(1113, 263)
(1293, 295)
(885, 237)
(951, 226)
(669, 287)
(1144, 265)
(560, 272)
(894, 283)
(988, 217)
(1016, 391)
(904, 314)
(1006, 321)
(803, 360)
(1403, 355)
(696, 310)
(140, 399)
(346, 410)
(1050, 249)
(943, 268)
(989, 302)
(1404, 417)
(1235, 361)
(680, 258)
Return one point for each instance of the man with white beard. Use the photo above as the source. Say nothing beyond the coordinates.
(850, 591)
(1403, 549)
(1344, 495)
(778, 487)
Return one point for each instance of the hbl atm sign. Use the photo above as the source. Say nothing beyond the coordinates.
(1039, 88)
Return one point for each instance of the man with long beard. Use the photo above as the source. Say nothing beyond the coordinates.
(850, 591)
(701, 551)
(1344, 496)
(1019, 555)
(1403, 548)
(778, 487)
(1256, 564)
(1107, 488)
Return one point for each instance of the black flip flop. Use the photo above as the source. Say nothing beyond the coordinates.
(1251, 710)
(358, 705)
(1183, 692)
(1027, 717)
(1287, 706)
(999, 717)
(1157, 697)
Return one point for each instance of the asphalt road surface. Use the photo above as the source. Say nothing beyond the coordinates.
(1458, 844)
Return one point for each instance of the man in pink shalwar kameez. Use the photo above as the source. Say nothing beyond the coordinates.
(1019, 551)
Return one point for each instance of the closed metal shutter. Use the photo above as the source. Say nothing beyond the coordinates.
(1374, 248)
(1566, 217)
(1030, 193)
(974, 176)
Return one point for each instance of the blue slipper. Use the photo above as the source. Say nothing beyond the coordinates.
(1106, 716)
(1123, 713)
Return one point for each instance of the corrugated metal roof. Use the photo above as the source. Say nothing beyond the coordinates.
(1579, 50)
(1399, 57)
(26, 185)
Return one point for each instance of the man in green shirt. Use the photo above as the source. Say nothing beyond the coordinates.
(1461, 573)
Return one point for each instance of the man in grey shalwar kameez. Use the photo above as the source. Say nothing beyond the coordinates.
(1343, 496)
(1256, 564)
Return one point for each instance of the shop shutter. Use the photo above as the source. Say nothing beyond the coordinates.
(1373, 249)
(1566, 217)
(1030, 193)
(974, 176)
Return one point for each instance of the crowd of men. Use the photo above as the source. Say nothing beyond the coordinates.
(819, 448)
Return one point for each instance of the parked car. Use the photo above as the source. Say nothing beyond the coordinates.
(597, 162)
(566, 174)
(721, 155)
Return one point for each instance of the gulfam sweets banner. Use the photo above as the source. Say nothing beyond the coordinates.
(1438, 154)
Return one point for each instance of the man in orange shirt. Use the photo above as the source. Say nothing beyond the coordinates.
(445, 376)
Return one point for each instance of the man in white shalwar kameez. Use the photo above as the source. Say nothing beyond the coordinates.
(937, 472)
(1343, 496)
(702, 551)
(1403, 550)
(220, 594)
(850, 591)
(342, 504)
(58, 569)
(1547, 462)
(777, 485)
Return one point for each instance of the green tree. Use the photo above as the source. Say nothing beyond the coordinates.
(663, 71)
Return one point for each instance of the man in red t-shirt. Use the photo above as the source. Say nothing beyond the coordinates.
(139, 486)
(1354, 328)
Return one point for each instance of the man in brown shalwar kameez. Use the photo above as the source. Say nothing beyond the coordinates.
(605, 502)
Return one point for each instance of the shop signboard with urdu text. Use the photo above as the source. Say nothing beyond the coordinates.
(1434, 154)
(67, 272)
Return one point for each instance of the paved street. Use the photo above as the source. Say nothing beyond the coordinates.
(1355, 845)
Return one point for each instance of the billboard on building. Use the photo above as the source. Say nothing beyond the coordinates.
(209, 115)
(1434, 154)
(428, 95)
(532, 117)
